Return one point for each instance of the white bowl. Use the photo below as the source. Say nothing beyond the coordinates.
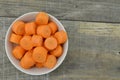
(9, 46)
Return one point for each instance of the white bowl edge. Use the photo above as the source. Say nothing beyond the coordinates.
(11, 58)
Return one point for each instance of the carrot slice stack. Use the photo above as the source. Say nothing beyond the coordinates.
(50, 62)
(50, 43)
(19, 27)
(14, 38)
(26, 43)
(44, 31)
(42, 18)
(27, 61)
(61, 36)
(39, 54)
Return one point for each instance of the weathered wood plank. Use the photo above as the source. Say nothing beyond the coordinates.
(92, 54)
(84, 10)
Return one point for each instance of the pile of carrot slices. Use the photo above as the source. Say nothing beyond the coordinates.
(38, 43)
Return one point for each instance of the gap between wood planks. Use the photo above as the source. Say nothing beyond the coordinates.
(69, 20)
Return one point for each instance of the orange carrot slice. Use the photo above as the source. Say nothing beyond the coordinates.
(42, 18)
(50, 62)
(39, 54)
(50, 43)
(61, 36)
(39, 65)
(19, 27)
(26, 43)
(44, 31)
(18, 52)
(37, 40)
(27, 60)
(14, 38)
(57, 52)
(53, 27)
(30, 28)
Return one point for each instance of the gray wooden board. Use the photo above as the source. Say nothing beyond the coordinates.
(84, 10)
(93, 47)
(93, 53)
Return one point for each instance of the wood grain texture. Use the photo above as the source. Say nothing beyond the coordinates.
(91, 55)
(84, 10)
(93, 47)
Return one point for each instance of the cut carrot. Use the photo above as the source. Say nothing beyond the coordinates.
(53, 27)
(37, 40)
(18, 52)
(19, 27)
(39, 54)
(44, 31)
(61, 36)
(42, 18)
(50, 43)
(26, 43)
(27, 60)
(39, 65)
(58, 51)
(39, 43)
(30, 28)
(14, 38)
(50, 62)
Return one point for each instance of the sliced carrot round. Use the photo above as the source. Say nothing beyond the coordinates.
(42, 18)
(57, 52)
(50, 62)
(14, 38)
(39, 54)
(30, 28)
(27, 60)
(18, 52)
(37, 40)
(50, 43)
(26, 43)
(39, 65)
(44, 31)
(19, 27)
(61, 36)
(53, 27)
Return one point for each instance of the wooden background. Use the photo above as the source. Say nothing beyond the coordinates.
(93, 28)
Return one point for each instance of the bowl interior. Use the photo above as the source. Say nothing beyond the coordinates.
(9, 46)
